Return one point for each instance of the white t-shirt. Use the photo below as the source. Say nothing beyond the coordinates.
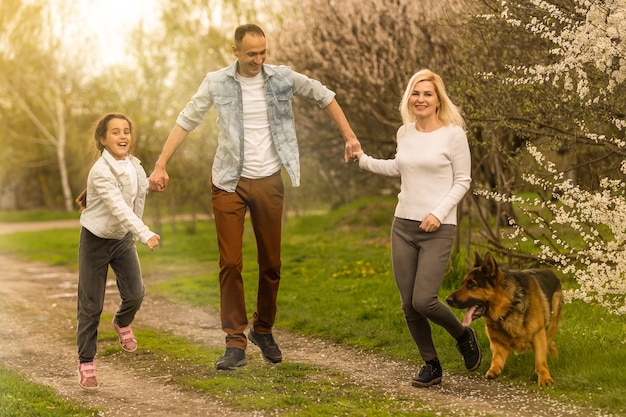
(260, 158)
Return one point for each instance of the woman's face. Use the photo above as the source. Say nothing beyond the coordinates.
(118, 138)
(424, 100)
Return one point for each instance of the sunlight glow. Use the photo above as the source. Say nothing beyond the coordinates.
(105, 25)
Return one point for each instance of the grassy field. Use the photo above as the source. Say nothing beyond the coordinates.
(19, 397)
(337, 285)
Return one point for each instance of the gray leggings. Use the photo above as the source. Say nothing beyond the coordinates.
(419, 262)
(94, 257)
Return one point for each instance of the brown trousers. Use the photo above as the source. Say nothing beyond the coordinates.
(264, 198)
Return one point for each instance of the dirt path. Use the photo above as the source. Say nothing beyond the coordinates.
(36, 338)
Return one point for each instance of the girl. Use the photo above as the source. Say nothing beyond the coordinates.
(433, 161)
(111, 211)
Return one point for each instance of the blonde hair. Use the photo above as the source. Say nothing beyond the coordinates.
(447, 113)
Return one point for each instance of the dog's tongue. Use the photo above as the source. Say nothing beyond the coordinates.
(467, 318)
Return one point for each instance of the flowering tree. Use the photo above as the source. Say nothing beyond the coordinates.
(587, 63)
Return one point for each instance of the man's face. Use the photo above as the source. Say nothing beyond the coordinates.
(251, 54)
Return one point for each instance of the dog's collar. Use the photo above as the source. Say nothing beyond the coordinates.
(509, 311)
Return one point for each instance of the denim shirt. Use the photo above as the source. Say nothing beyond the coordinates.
(220, 88)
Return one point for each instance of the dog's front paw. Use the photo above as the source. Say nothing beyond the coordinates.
(545, 380)
(493, 373)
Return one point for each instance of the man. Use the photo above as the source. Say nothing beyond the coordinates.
(256, 138)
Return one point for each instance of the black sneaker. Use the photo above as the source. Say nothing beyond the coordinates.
(430, 374)
(231, 359)
(268, 346)
(467, 345)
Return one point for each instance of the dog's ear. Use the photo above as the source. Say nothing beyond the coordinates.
(489, 265)
(478, 261)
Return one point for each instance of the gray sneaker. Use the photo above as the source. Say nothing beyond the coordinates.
(231, 359)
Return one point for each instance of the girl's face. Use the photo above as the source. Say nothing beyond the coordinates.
(424, 100)
(118, 138)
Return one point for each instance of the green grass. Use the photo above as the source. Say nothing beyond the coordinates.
(55, 246)
(36, 215)
(337, 285)
(21, 398)
(288, 389)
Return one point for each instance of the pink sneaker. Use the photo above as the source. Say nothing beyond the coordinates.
(127, 338)
(87, 376)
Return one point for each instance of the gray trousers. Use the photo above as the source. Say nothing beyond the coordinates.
(94, 257)
(419, 262)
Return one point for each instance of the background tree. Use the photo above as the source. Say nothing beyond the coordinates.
(39, 80)
(20, 29)
(576, 222)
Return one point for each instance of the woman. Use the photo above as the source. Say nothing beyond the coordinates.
(433, 161)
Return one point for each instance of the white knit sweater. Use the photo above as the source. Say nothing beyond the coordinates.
(435, 172)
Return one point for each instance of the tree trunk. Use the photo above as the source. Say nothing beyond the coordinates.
(60, 152)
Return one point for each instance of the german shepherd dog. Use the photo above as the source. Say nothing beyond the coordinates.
(521, 308)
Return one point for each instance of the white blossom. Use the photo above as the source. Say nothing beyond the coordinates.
(595, 37)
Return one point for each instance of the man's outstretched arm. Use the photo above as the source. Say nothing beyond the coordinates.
(352, 143)
(159, 178)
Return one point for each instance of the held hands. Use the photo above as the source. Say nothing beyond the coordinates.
(353, 146)
(153, 242)
(158, 179)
